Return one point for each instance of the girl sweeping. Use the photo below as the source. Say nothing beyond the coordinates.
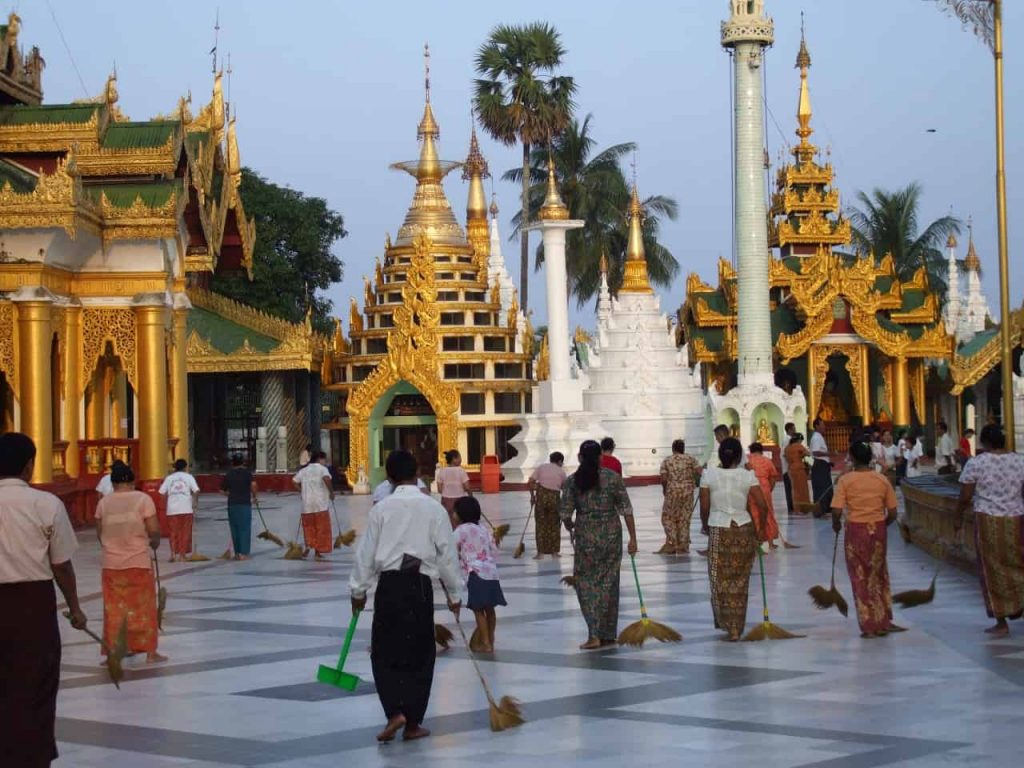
(127, 528)
(476, 557)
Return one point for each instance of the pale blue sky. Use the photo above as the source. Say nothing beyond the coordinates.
(329, 93)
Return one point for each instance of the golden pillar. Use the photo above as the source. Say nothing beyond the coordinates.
(35, 340)
(151, 364)
(812, 386)
(73, 386)
(900, 393)
(178, 424)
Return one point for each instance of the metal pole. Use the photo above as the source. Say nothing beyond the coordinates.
(1006, 348)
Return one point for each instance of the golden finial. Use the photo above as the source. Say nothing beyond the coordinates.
(603, 264)
(634, 279)
(803, 57)
(803, 111)
(951, 241)
(475, 170)
(971, 262)
(428, 125)
(553, 209)
(494, 205)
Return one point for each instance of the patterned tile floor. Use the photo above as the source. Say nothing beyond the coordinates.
(245, 639)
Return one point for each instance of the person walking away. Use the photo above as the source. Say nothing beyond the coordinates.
(891, 453)
(680, 473)
(944, 450)
(36, 545)
(597, 497)
(993, 484)
(902, 445)
(452, 482)
(878, 461)
(240, 488)
(477, 554)
(727, 493)
(912, 456)
(182, 492)
(767, 476)
(797, 457)
(317, 493)
(869, 501)
(790, 429)
(545, 491)
(965, 451)
(104, 487)
(408, 542)
(385, 488)
(821, 472)
(608, 461)
(305, 455)
(127, 527)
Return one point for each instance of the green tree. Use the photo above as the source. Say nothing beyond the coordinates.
(292, 258)
(887, 222)
(596, 191)
(519, 98)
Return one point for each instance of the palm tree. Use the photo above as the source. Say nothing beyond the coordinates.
(596, 191)
(887, 223)
(520, 99)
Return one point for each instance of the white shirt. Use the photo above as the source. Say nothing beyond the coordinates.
(878, 456)
(315, 495)
(944, 450)
(408, 522)
(891, 453)
(105, 486)
(729, 491)
(34, 533)
(910, 454)
(178, 487)
(385, 489)
(818, 445)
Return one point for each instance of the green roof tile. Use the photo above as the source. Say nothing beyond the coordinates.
(153, 194)
(49, 114)
(973, 347)
(225, 335)
(21, 181)
(139, 135)
(784, 320)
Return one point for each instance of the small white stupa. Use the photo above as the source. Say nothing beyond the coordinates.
(640, 383)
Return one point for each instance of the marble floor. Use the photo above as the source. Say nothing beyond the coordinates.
(245, 638)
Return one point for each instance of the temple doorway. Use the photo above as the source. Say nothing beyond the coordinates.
(109, 400)
(403, 419)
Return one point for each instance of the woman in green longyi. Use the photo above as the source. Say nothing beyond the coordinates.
(598, 498)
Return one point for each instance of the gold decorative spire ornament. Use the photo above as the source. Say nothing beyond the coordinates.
(602, 265)
(951, 241)
(475, 170)
(494, 206)
(806, 150)
(971, 262)
(553, 209)
(634, 279)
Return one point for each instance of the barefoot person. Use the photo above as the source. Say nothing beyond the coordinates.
(240, 488)
(597, 497)
(546, 489)
(767, 476)
(317, 493)
(408, 542)
(36, 544)
(477, 552)
(452, 482)
(127, 528)
(993, 484)
(680, 474)
(181, 491)
(870, 503)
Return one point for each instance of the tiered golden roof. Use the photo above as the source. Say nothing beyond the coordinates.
(635, 279)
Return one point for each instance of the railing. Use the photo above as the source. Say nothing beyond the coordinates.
(96, 456)
(60, 461)
(838, 437)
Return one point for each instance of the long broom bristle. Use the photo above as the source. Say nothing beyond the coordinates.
(443, 636)
(768, 631)
(787, 544)
(822, 598)
(294, 552)
(519, 550)
(505, 714)
(569, 581)
(195, 557)
(841, 605)
(639, 631)
(500, 532)
(161, 606)
(226, 555)
(915, 597)
(344, 539)
(275, 538)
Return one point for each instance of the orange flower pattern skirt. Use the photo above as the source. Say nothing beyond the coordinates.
(181, 533)
(865, 549)
(129, 597)
(1000, 543)
(316, 529)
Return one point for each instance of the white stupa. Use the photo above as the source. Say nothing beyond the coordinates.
(640, 383)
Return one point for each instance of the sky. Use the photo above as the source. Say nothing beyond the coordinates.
(328, 94)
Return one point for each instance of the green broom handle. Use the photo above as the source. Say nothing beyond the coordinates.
(636, 579)
(764, 591)
(348, 639)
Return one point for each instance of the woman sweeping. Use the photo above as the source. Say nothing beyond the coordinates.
(726, 494)
(993, 483)
(452, 482)
(598, 498)
(545, 488)
(796, 456)
(127, 528)
(679, 475)
(870, 504)
(767, 476)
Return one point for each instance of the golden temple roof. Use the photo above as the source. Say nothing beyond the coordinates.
(553, 208)
(972, 263)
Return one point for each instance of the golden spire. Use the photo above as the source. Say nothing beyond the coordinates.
(804, 152)
(971, 262)
(951, 241)
(475, 170)
(602, 265)
(553, 209)
(635, 278)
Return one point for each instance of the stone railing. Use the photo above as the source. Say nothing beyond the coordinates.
(96, 456)
(60, 460)
(928, 516)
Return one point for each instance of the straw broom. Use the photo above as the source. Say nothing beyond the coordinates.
(161, 594)
(766, 630)
(342, 539)
(504, 713)
(827, 598)
(195, 556)
(499, 531)
(915, 597)
(294, 551)
(639, 631)
(115, 655)
(520, 549)
(266, 534)
(443, 636)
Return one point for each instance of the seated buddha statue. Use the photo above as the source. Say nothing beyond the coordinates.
(832, 408)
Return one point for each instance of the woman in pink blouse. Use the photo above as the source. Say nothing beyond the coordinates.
(476, 557)
(452, 482)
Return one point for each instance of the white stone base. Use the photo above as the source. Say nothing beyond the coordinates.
(544, 433)
(560, 396)
(643, 444)
(746, 405)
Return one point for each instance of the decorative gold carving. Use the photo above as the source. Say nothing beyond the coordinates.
(355, 318)
(8, 329)
(103, 324)
(793, 345)
(968, 371)
(542, 372)
(695, 285)
(57, 201)
(818, 363)
(261, 322)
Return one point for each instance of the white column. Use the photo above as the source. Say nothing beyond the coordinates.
(754, 319)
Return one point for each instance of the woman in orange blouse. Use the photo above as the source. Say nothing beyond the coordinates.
(870, 504)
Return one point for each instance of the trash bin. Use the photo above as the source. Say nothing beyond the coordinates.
(490, 475)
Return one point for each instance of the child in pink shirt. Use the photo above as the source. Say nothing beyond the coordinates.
(476, 550)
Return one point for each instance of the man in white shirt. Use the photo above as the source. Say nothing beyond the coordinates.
(407, 543)
(912, 456)
(821, 471)
(944, 450)
(317, 493)
(36, 544)
(181, 490)
(385, 488)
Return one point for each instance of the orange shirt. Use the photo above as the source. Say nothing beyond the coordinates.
(865, 495)
(123, 535)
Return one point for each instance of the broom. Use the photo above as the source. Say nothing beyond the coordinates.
(639, 631)
(116, 654)
(161, 595)
(505, 713)
(520, 548)
(342, 539)
(499, 531)
(195, 556)
(826, 598)
(266, 534)
(915, 597)
(294, 551)
(766, 630)
(569, 581)
(443, 636)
